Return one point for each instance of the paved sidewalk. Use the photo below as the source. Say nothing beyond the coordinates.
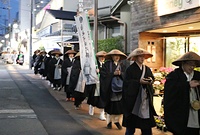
(82, 115)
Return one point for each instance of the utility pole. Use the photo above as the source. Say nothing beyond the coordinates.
(30, 39)
(96, 24)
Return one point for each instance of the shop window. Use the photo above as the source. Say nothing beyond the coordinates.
(175, 47)
(194, 44)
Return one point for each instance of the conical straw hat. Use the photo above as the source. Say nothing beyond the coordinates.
(70, 52)
(116, 52)
(189, 56)
(101, 54)
(56, 52)
(137, 52)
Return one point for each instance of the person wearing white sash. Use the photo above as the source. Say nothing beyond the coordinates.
(66, 70)
(137, 95)
(181, 96)
(55, 69)
(101, 59)
(111, 95)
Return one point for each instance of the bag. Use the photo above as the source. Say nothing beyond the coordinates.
(21, 60)
(57, 71)
(116, 84)
(97, 90)
(68, 76)
(141, 107)
(116, 96)
(80, 87)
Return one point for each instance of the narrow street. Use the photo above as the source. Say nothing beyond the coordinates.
(28, 106)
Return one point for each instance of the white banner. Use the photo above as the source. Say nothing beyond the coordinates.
(86, 48)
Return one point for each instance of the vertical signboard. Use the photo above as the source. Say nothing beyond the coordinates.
(86, 48)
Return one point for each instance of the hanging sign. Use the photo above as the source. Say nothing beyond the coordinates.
(172, 6)
(86, 48)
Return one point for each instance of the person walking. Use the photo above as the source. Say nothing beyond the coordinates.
(42, 67)
(66, 71)
(36, 61)
(49, 77)
(113, 69)
(55, 69)
(75, 83)
(100, 104)
(20, 58)
(181, 96)
(138, 95)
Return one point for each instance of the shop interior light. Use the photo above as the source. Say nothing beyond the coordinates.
(190, 27)
(41, 1)
(164, 30)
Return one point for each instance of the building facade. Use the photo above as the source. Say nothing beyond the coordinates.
(167, 28)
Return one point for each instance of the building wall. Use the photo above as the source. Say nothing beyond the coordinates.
(24, 14)
(144, 17)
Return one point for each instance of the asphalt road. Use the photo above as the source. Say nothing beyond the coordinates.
(27, 107)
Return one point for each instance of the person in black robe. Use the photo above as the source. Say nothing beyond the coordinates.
(137, 85)
(100, 61)
(37, 62)
(112, 99)
(42, 70)
(74, 77)
(66, 70)
(55, 65)
(181, 96)
(47, 65)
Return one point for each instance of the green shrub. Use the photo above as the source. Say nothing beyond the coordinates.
(111, 43)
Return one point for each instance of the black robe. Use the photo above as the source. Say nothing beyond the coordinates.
(177, 100)
(47, 68)
(106, 75)
(131, 87)
(52, 66)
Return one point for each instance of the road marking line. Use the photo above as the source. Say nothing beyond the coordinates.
(17, 111)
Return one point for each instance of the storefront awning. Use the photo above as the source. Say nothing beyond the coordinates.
(63, 15)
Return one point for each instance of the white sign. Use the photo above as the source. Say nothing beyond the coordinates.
(172, 6)
(86, 47)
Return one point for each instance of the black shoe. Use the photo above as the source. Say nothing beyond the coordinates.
(109, 126)
(118, 125)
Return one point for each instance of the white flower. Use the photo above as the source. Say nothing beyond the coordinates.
(157, 83)
(157, 74)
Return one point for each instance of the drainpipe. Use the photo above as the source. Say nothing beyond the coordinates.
(125, 31)
(105, 29)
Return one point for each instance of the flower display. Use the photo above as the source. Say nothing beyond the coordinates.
(160, 75)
